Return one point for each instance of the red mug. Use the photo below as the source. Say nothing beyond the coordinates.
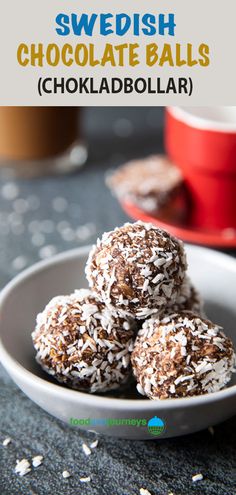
(202, 142)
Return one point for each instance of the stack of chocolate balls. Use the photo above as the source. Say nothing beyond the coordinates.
(141, 314)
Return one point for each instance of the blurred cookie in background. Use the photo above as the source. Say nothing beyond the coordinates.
(149, 183)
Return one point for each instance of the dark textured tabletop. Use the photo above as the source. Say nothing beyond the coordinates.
(47, 215)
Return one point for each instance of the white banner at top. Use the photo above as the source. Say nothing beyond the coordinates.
(166, 52)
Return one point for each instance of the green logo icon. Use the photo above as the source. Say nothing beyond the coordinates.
(156, 426)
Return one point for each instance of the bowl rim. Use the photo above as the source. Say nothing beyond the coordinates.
(202, 123)
(16, 369)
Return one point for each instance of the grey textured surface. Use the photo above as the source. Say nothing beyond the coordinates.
(116, 467)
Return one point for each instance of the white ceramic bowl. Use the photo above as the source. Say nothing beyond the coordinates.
(212, 272)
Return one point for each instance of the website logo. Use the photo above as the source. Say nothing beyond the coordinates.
(156, 426)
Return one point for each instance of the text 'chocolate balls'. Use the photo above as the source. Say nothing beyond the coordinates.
(137, 269)
(181, 356)
(82, 344)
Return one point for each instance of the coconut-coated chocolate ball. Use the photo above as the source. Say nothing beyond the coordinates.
(137, 269)
(150, 183)
(188, 299)
(181, 356)
(82, 344)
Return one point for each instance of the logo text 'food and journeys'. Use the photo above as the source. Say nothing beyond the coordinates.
(156, 426)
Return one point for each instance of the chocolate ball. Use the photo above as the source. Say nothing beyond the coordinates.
(188, 299)
(182, 355)
(82, 344)
(137, 269)
(149, 183)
